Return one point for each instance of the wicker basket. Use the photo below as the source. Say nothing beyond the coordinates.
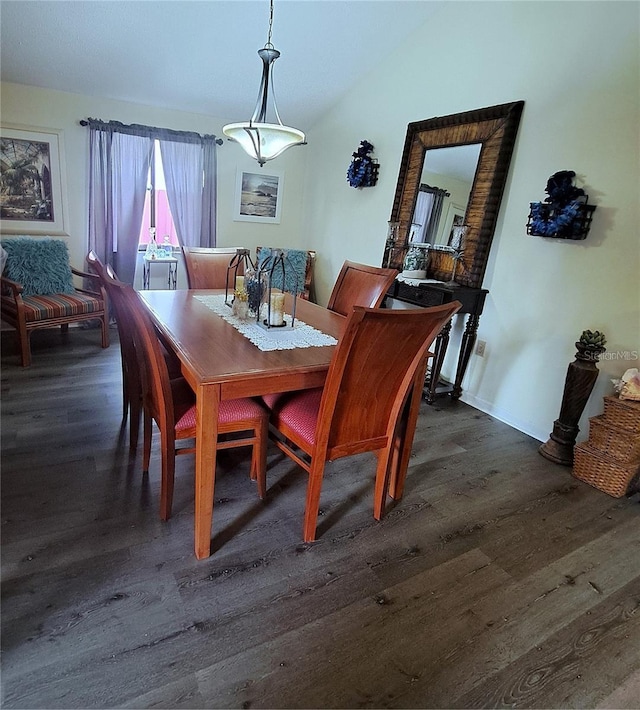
(622, 413)
(594, 468)
(618, 443)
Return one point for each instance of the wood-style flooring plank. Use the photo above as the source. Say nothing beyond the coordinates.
(603, 642)
(352, 658)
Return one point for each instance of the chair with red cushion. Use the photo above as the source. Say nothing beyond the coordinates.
(171, 404)
(370, 401)
(131, 385)
(360, 285)
(131, 378)
(207, 266)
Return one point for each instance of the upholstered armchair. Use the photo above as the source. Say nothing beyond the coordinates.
(38, 291)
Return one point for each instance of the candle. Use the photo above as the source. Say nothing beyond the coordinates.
(277, 309)
(239, 283)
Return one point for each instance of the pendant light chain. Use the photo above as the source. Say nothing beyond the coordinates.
(268, 45)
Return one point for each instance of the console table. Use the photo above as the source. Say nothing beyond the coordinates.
(435, 294)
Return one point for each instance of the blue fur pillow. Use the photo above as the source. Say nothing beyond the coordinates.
(40, 265)
(298, 261)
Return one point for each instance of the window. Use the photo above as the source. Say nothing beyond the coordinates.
(156, 206)
(119, 156)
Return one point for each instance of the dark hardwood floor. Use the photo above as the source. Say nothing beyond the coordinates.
(498, 581)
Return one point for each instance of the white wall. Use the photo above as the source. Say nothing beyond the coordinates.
(576, 66)
(26, 105)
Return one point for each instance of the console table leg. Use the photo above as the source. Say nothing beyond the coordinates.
(466, 348)
(439, 351)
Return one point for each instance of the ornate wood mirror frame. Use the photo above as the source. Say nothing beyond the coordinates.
(495, 129)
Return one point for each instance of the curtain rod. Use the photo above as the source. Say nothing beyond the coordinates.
(427, 188)
(136, 127)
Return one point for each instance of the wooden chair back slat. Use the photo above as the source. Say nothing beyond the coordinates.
(154, 374)
(207, 267)
(360, 285)
(371, 374)
(131, 375)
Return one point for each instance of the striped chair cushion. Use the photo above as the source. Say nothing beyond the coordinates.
(230, 410)
(37, 308)
(300, 413)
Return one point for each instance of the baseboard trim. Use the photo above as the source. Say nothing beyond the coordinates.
(504, 416)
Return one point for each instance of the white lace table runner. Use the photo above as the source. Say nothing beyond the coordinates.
(417, 282)
(301, 336)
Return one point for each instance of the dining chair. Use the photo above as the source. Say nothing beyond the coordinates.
(131, 378)
(171, 404)
(366, 404)
(302, 261)
(131, 386)
(207, 266)
(360, 285)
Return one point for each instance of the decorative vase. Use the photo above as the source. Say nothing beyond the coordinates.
(152, 246)
(581, 377)
(416, 262)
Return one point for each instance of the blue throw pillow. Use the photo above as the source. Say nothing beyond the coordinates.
(295, 259)
(40, 265)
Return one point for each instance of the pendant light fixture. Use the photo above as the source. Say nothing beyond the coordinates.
(261, 140)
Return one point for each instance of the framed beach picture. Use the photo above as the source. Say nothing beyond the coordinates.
(258, 196)
(33, 196)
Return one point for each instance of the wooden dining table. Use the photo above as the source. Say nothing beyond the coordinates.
(220, 363)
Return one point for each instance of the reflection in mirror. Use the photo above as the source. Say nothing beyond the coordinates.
(490, 130)
(445, 185)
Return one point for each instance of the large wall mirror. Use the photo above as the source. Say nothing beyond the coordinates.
(459, 163)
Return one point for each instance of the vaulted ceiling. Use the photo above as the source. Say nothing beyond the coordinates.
(201, 55)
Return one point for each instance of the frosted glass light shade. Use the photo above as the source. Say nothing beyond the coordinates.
(263, 141)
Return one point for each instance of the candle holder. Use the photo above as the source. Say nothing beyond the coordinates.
(393, 234)
(456, 256)
(276, 277)
(458, 234)
(414, 232)
(238, 266)
(240, 307)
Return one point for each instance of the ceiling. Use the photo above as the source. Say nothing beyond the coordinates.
(200, 56)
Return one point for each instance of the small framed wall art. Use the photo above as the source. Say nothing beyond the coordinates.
(258, 196)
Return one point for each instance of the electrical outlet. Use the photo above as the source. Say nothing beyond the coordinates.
(480, 347)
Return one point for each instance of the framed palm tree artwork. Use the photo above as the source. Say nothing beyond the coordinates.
(32, 181)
